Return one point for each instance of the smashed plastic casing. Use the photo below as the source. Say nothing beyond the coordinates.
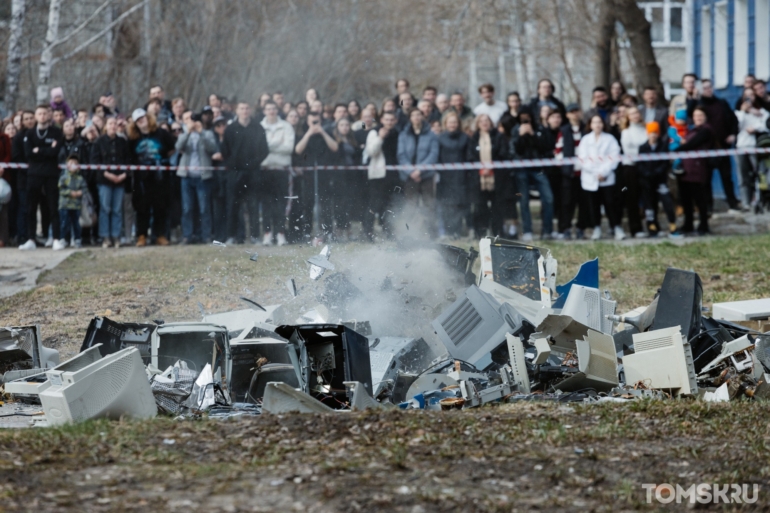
(241, 324)
(333, 349)
(527, 270)
(474, 397)
(750, 310)
(271, 372)
(729, 350)
(282, 398)
(587, 306)
(360, 399)
(29, 388)
(113, 386)
(473, 326)
(320, 263)
(662, 360)
(587, 276)
(597, 364)
(680, 303)
(389, 356)
(518, 363)
(245, 355)
(114, 336)
(22, 343)
(195, 343)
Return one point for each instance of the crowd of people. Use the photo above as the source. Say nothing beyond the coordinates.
(268, 191)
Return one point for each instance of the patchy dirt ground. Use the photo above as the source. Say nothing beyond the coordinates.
(504, 458)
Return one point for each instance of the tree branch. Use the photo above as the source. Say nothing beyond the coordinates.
(101, 33)
(82, 26)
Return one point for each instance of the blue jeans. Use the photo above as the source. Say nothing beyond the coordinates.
(70, 223)
(110, 210)
(193, 187)
(526, 178)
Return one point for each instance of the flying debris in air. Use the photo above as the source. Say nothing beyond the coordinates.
(319, 263)
(253, 303)
(202, 310)
(292, 287)
(190, 290)
(252, 256)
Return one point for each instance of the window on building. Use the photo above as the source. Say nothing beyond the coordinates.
(705, 42)
(666, 19)
(762, 39)
(721, 77)
(741, 41)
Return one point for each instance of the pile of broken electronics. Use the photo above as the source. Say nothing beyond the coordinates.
(513, 335)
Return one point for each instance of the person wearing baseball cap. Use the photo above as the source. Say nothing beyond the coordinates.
(150, 146)
(653, 175)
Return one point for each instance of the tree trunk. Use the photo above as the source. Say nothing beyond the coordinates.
(645, 66)
(13, 71)
(605, 35)
(46, 57)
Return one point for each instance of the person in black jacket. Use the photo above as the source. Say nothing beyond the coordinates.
(243, 149)
(524, 145)
(571, 192)
(110, 149)
(19, 202)
(452, 190)
(653, 175)
(41, 146)
(487, 145)
(547, 137)
(150, 146)
(545, 96)
(72, 144)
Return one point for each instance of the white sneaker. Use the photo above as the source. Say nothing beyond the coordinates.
(619, 233)
(527, 237)
(28, 246)
(267, 240)
(59, 244)
(49, 242)
(280, 240)
(597, 234)
(640, 235)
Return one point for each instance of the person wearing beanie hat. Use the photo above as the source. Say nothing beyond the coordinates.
(58, 102)
(653, 178)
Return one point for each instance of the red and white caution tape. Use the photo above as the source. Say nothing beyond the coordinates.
(500, 164)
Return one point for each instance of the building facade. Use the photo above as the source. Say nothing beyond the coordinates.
(731, 40)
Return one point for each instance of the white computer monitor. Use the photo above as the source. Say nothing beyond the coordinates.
(112, 387)
(662, 360)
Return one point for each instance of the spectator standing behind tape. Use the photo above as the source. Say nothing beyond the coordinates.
(697, 173)
(381, 150)
(523, 145)
(418, 146)
(653, 177)
(345, 188)
(546, 96)
(752, 120)
(5, 156)
(110, 150)
(487, 145)
(452, 188)
(244, 148)
(150, 146)
(547, 138)
(571, 193)
(724, 126)
(218, 198)
(196, 147)
(280, 143)
(489, 106)
(41, 147)
(631, 138)
(317, 148)
(597, 175)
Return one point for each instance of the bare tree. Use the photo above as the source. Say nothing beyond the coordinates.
(646, 70)
(16, 28)
(44, 70)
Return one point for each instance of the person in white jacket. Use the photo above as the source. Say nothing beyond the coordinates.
(381, 150)
(752, 120)
(275, 182)
(631, 139)
(600, 151)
